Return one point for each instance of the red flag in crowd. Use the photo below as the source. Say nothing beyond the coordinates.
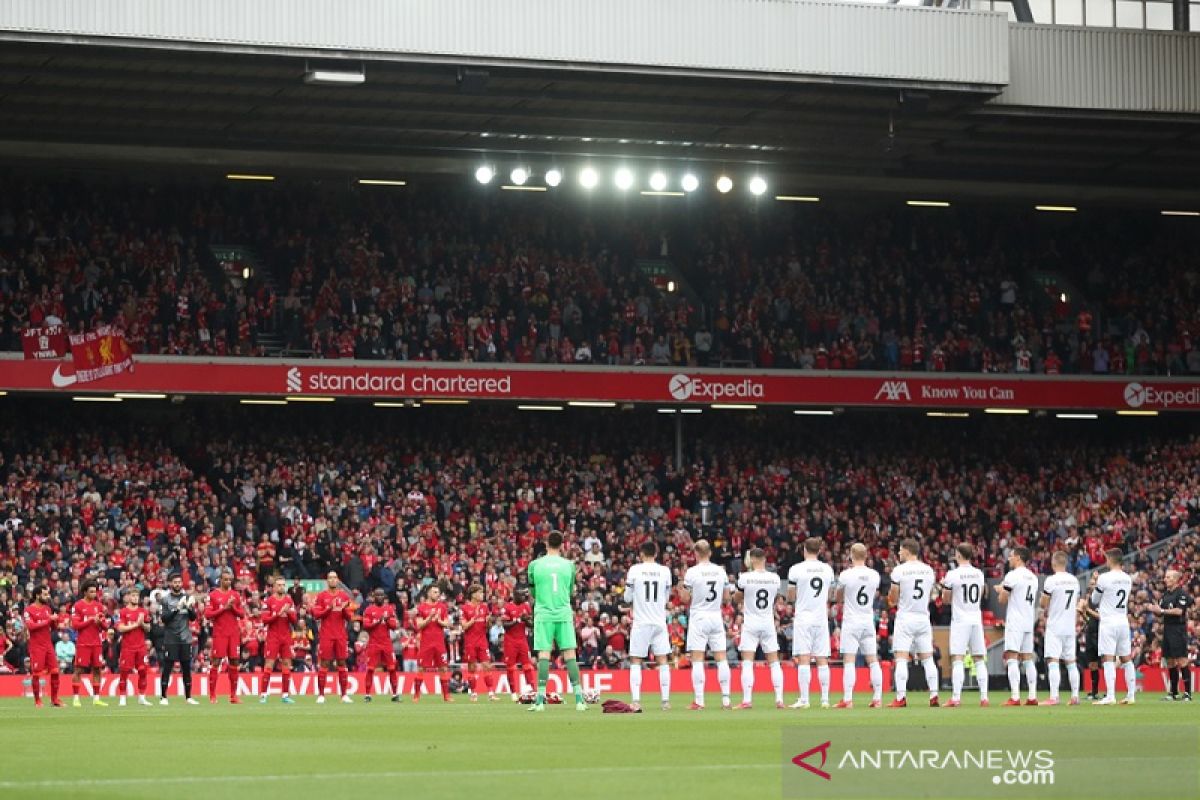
(99, 354)
(49, 342)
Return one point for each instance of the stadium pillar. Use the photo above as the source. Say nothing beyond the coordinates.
(1179, 15)
(678, 441)
(1022, 10)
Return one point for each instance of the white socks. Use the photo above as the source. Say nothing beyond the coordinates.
(1031, 678)
(804, 676)
(747, 680)
(1110, 679)
(1055, 679)
(981, 677)
(876, 681)
(698, 681)
(777, 680)
(664, 682)
(958, 674)
(1014, 677)
(1130, 680)
(635, 682)
(932, 679)
(823, 681)
(901, 679)
(849, 676)
(1073, 677)
(723, 679)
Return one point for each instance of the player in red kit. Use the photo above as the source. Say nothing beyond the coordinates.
(379, 620)
(333, 609)
(476, 654)
(279, 615)
(516, 617)
(40, 620)
(133, 622)
(89, 619)
(225, 612)
(432, 619)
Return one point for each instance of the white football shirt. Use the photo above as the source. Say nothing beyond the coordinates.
(1063, 591)
(707, 584)
(859, 586)
(813, 580)
(1022, 586)
(916, 581)
(1112, 594)
(647, 587)
(966, 585)
(759, 589)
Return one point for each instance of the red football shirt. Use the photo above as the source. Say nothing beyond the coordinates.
(433, 635)
(479, 612)
(225, 610)
(136, 638)
(516, 613)
(39, 620)
(279, 613)
(83, 620)
(333, 609)
(377, 622)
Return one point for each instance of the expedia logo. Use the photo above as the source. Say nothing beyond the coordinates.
(893, 391)
(682, 388)
(294, 382)
(1137, 395)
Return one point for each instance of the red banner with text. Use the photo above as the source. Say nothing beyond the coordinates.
(49, 342)
(391, 381)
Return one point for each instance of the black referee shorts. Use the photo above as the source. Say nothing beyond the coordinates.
(1174, 644)
(1091, 648)
(178, 653)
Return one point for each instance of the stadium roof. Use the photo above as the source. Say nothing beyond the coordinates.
(123, 105)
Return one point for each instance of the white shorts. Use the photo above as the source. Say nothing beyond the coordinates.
(1060, 647)
(1115, 638)
(859, 638)
(912, 635)
(967, 636)
(1016, 641)
(706, 632)
(811, 639)
(758, 635)
(649, 638)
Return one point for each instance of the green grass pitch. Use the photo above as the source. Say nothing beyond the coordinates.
(433, 750)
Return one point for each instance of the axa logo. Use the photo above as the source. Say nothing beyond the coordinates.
(1135, 395)
(819, 771)
(893, 391)
(683, 387)
(294, 381)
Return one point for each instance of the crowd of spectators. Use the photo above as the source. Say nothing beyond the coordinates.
(399, 499)
(444, 275)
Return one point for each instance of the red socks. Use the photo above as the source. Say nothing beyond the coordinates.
(37, 688)
(394, 680)
(143, 679)
(343, 681)
(287, 682)
(212, 683)
(54, 687)
(322, 676)
(418, 686)
(232, 672)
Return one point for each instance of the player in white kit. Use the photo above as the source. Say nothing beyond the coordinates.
(647, 587)
(1019, 591)
(756, 593)
(913, 583)
(856, 590)
(965, 588)
(1112, 592)
(809, 583)
(706, 588)
(1060, 599)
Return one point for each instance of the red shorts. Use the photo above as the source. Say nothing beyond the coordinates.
(226, 647)
(517, 653)
(380, 656)
(42, 659)
(133, 658)
(433, 657)
(476, 653)
(276, 649)
(332, 649)
(88, 656)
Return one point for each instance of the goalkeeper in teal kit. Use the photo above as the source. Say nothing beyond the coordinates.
(552, 582)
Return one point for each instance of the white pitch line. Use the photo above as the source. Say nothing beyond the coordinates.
(340, 776)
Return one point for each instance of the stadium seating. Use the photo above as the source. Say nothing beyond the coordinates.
(441, 274)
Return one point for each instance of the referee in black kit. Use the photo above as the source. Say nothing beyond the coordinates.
(1173, 609)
